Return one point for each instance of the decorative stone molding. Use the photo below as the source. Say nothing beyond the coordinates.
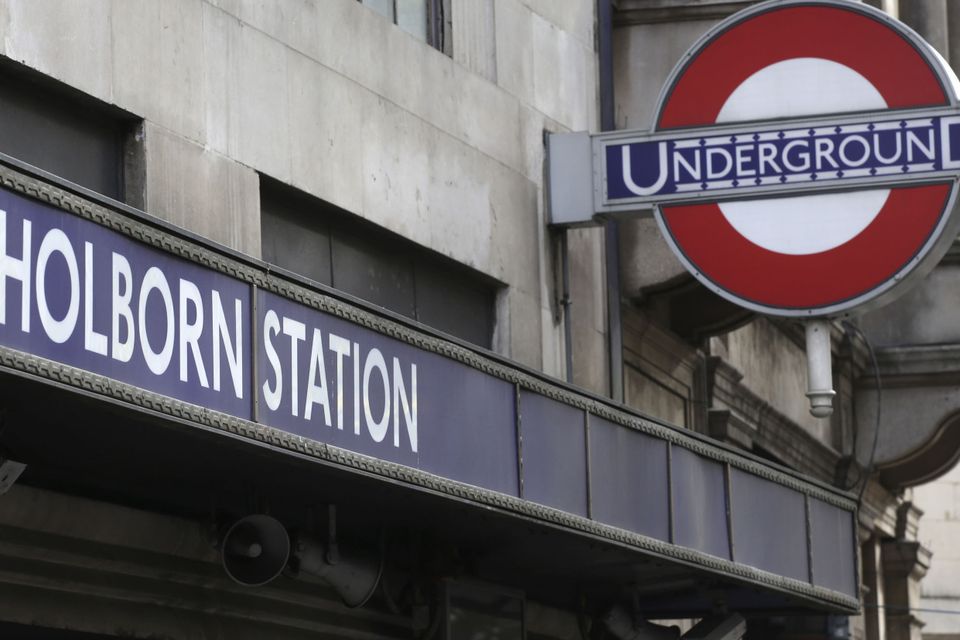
(141, 227)
(919, 429)
(633, 12)
(904, 565)
(748, 420)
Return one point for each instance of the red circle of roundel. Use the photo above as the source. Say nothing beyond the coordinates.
(901, 75)
(845, 36)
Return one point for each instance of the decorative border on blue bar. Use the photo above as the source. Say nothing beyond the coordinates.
(301, 292)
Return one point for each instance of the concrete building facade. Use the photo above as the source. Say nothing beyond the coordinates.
(391, 155)
(940, 591)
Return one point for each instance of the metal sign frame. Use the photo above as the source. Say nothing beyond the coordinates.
(534, 400)
(942, 118)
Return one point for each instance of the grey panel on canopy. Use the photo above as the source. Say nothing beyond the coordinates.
(699, 503)
(769, 526)
(628, 479)
(554, 453)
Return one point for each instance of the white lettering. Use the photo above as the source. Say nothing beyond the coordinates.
(341, 347)
(768, 153)
(58, 330)
(121, 351)
(409, 404)
(92, 341)
(824, 151)
(317, 393)
(377, 428)
(221, 338)
(888, 159)
(693, 170)
(725, 156)
(804, 156)
(631, 184)
(271, 325)
(915, 143)
(743, 157)
(190, 332)
(297, 331)
(157, 361)
(863, 144)
(356, 388)
(17, 270)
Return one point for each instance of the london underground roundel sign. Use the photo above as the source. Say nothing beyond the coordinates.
(804, 158)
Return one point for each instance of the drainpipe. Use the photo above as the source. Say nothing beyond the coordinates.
(611, 228)
(565, 302)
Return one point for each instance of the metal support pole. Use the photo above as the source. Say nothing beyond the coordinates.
(819, 369)
(612, 227)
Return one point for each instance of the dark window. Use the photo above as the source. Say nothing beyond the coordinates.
(426, 20)
(62, 131)
(317, 240)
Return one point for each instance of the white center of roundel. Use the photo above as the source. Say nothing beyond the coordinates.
(801, 87)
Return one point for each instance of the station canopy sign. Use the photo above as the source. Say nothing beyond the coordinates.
(803, 159)
(846, 125)
(103, 301)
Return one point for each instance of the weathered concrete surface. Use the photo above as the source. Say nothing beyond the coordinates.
(574, 18)
(647, 395)
(514, 43)
(198, 189)
(246, 87)
(917, 338)
(891, 7)
(329, 111)
(911, 417)
(588, 309)
(171, 94)
(333, 99)
(905, 562)
(564, 76)
(919, 411)
(775, 368)
(69, 40)
(939, 531)
(646, 260)
(474, 32)
(644, 55)
(927, 314)
(929, 19)
(953, 35)
(662, 373)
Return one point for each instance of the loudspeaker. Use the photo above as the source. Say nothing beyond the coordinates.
(353, 573)
(255, 550)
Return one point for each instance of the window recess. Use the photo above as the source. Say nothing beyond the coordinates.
(426, 20)
(317, 240)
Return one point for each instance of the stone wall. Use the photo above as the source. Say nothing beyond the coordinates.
(331, 98)
(940, 531)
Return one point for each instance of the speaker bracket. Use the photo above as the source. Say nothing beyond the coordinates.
(333, 549)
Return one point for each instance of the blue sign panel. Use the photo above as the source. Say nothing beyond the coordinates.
(326, 379)
(78, 293)
(383, 396)
(770, 158)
